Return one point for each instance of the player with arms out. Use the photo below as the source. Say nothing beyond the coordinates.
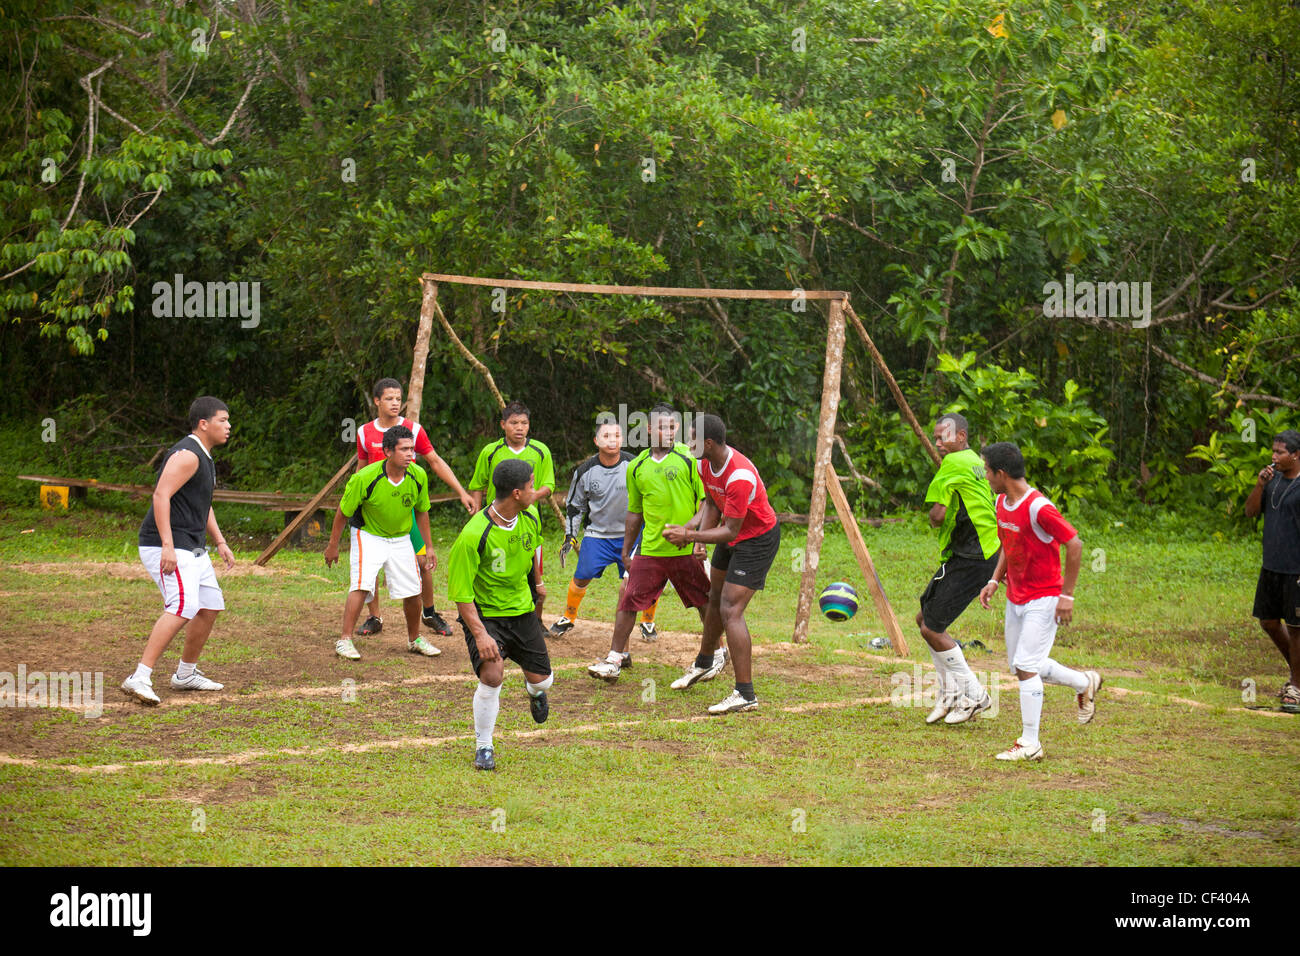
(1032, 532)
(173, 549)
(961, 507)
(387, 395)
(487, 574)
(738, 521)
(1277, 593)
(379, 504)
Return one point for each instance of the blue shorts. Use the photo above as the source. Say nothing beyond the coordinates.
(597, 554)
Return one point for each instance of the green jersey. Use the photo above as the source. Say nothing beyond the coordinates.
(667, 491)
(970, 526)
(383, 508)
(493, 453)
(488, 565)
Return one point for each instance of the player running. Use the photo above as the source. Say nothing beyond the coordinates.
(380, 502)
(173, 539)
(387, 394)
(598, 495)
(962, 510)
(663, 489)
(738, 521)
(1032, 532)
(487, 574)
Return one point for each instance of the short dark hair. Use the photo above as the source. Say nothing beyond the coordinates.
(205, 408)
(710, 428)
(958, 420)
(1290, 438)
(603, 419)
(1006, 457)
(663, 408)
(515, 408)
(383, 385)
(510, 475)
(395, 434)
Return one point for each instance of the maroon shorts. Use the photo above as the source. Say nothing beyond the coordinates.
(648, 575)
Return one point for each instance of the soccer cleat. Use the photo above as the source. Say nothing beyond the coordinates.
(560, 627)
(967, 708)
(434, 622)
(734, 703)
(484, 759)
(539, 707)
(942, 706)
(1019, 751)
(421, 646)
(1290, 699)
(605, 671)
(692, 676)
(372, 626)
(649, 633)
(345, 648)
(1088, 699)
(141, 690)
(195, 681)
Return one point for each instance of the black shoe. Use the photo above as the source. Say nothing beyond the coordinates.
(560, 627)
(649, 632)
(626, 662)
(540, 707)
(434, 622)
(484, 760)
(373, 625)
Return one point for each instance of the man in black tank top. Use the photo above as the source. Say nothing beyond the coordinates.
(172, 541)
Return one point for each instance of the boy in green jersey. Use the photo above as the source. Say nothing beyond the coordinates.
(487, 577)
(961, 507)
(380, 501)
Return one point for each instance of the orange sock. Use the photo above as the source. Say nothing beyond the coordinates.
(648, 615)
(576, 594)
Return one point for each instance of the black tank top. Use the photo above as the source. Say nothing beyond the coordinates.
(190, 504)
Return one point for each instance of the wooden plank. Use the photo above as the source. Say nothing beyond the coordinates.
(308, 510)
(821, 465)
(782, 294)
(420, 356)
(883, 608)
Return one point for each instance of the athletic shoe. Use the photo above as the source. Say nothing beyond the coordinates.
(605, 671)
(421, 646)
(484, 759)
(345, 648)
(539, 707)
(1290, 699)
(967, 708)
(434, 622)
(372, 626)
(1019, 751)
(195, 681)
(735, 703)
(649, 632)
(141, 689)
(942, 706)
(1088, 699)
(560, 627)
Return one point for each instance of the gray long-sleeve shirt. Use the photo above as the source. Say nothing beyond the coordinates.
(598, 496)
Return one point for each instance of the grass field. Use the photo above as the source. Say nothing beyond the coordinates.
(279, 769)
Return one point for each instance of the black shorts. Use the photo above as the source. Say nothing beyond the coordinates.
(519, 638)
(957, 582)
(1277, 597)
(748, 561)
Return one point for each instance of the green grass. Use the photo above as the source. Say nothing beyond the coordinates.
(1150, 782)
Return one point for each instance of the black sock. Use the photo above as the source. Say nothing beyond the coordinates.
(429, 609)
(745, 690)
(704, 661)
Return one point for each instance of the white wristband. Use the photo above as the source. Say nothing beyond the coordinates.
(994, 581)
(1066, 597)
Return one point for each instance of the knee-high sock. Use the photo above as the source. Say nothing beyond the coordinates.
(487, 702)
(959, 673)
(536, 690)
(576, 594)
(648, 615)
(946, 683)
(1054, 673)
(1031, 709)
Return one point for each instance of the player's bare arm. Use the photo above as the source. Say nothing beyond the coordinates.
(444, 472)
(336, 533)
(487, 648)
(999, 573)
(632, 526)
(219, 539)
(937, 514)
(428, 561)
(180, 468)
(724, 533)
(1255, 500)
(1069, 577)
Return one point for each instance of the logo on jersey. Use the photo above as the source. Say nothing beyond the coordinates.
(670, 474)
(408, 501)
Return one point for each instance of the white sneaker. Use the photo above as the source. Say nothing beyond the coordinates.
(605, 671)
(942, 706)
(1019, 751)
(967, 708)
(418, 646)
(1088, 699)
(195, 681)
(141, 689)
(695, 675)
(734, 703)
(345, 648)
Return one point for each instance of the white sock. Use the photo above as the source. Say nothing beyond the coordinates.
(142, 673)
(941, 670)
(487, 702)
(184, 670)
(960, 674)
(1054, 673)
(537, 690)
(1031, 710)
(614, 657)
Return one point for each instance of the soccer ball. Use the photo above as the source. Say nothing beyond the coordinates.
(839, 601)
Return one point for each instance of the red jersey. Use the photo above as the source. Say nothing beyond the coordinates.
(1032, 533)
(738, 492)
(370, 441)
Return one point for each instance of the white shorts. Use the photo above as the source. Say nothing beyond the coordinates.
(1030, 633)
(396, 556)
(191, 588)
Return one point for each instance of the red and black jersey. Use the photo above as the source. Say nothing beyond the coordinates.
(370, 440)
(738, 491)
